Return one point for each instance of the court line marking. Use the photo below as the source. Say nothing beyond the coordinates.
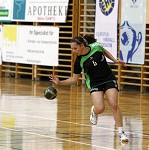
(145, 135)
(33, 133)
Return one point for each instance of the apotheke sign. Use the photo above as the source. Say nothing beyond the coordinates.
(40, 10)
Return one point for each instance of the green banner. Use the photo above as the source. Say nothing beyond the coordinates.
(4, 13)
(5, 10)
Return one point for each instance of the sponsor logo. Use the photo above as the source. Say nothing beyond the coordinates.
(106, 6)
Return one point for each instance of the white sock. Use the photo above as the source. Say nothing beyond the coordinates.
(120, 129)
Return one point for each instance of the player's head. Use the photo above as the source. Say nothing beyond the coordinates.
(86, 39)
(78, 45)
(79, 40)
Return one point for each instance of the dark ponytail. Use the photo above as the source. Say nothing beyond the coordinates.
(89, 38)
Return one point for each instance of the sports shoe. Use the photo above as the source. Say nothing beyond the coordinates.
(123, 137)
(93, 116)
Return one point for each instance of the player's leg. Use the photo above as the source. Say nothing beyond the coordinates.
(98, 106)
(112, 97)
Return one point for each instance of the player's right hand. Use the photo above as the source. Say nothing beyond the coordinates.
(54, 78)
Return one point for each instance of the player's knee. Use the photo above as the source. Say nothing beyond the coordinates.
(99, 109)
(114, 106)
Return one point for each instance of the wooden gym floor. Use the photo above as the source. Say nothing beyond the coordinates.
(30, 122)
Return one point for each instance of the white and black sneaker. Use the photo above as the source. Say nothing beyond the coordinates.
(93, 116)
(123, 137)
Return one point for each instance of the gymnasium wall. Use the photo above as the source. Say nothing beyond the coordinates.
(80, 20)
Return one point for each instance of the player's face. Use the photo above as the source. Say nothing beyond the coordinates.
(77, 49)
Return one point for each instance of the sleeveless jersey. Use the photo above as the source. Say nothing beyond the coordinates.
(94, 65)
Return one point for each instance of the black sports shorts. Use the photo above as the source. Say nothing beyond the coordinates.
(105, 86)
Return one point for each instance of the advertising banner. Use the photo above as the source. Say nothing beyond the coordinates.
(40, 10)
(5, 10)
(106, 25)
(30, 44)
(132, 31)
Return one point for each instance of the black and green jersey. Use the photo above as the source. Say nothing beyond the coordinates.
(94, 65)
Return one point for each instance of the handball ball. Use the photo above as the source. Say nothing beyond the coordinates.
(50, 93)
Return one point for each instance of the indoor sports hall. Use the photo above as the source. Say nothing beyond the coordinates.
(35, 40)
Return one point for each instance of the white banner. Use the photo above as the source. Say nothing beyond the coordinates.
(106, 24)
(40, 10)
(30, 45)
(5, 10)
(132, 32)
(0, 44)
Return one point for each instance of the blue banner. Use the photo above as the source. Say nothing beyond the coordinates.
(132, 31)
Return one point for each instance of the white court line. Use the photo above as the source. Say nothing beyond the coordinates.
(75, 123)
(32, 133)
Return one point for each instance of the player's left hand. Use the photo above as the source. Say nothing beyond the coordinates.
(119, 61)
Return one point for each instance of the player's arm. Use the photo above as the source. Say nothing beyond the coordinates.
(70, 81)
(108, 55)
